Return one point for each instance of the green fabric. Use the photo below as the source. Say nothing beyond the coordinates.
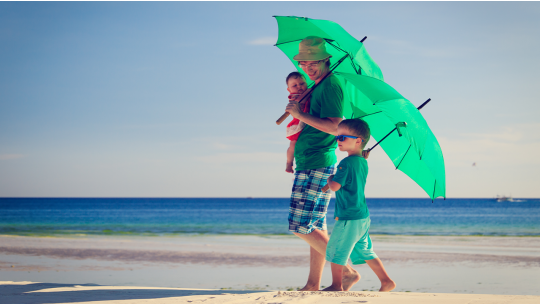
(417, 152)
(292, 29)
(315, 148)
(350, 239)
(350, 199)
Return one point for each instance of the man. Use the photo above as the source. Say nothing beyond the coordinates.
(315, 159)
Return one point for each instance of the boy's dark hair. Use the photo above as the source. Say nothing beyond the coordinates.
(295, 75)
(359, 128)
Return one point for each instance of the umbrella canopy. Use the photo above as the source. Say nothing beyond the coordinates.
(412, 147)
(340, 44)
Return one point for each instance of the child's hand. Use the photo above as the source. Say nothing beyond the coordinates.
(288, 168)
(295, 97)
(365, 154)
(329, 179)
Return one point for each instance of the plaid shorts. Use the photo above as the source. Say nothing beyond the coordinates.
(307, 210)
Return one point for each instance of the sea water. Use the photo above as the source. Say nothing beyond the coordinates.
(261, 216)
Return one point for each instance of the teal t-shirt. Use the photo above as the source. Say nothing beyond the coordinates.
(315, 148)
(350, 199)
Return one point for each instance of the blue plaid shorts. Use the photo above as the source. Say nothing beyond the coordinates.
(307, 210)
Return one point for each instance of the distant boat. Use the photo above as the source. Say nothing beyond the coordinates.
(504, 198)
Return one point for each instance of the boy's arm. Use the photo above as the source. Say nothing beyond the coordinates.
(334, 186)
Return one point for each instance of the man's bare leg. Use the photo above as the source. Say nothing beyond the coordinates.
(386, 282)
(318, 239)
(316, 265)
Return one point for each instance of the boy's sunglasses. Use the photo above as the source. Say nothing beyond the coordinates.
(341, 138)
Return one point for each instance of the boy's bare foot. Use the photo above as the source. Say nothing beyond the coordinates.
(387, 285)
(309, 288)
(349, 279)
(332, 288)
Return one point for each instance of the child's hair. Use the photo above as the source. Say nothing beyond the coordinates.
(359, 128)
(294, 74)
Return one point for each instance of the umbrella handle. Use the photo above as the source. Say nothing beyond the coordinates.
(325, 188)
(282, 118)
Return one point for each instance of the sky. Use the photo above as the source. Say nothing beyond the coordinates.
(179, 99)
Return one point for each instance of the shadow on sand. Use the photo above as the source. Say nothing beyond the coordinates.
(33, 293)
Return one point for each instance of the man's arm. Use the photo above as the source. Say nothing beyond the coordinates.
(328, 125)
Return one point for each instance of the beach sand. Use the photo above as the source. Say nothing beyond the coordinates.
(253, 269)
(32, 293)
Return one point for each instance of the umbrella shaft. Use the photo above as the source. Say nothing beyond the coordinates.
(419, 107)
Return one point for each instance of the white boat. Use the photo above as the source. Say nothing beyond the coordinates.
(504, 198)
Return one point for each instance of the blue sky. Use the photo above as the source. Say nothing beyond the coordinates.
(179, 99)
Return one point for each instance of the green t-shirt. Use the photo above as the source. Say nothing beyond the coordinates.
(315, 148)
(350, 199)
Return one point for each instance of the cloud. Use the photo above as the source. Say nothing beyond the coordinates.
(263, 41)
(10, 156)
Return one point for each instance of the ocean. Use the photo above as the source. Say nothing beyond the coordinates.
(257, 216)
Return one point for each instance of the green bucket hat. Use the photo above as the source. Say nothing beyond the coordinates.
(311, 48)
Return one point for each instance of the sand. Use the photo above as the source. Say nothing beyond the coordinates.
(261, 269)
(31, 293)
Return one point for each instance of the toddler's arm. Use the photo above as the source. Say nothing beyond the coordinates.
(334, 186)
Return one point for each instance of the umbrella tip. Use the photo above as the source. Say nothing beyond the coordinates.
(362, 41)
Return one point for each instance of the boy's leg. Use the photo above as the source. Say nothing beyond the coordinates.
(377, 266)
(337, 278)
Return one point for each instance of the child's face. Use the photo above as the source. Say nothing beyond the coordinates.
(349, 144)
(296, 85)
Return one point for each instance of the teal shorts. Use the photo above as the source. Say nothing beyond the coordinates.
(350, 238)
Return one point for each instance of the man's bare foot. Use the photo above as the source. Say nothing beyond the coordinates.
(349, 279)
(309, 288)
(332, 288)
(387, 285)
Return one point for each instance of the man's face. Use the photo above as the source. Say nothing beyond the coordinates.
(314, 69)
(296, 85)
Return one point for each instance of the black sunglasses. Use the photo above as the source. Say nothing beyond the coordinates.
(341, 138)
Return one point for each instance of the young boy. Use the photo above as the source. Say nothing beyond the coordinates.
(350, 237)
(296, 85)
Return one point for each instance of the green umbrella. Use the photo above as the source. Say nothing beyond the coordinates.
(408, 141)
(412, 147)
(340, 44)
